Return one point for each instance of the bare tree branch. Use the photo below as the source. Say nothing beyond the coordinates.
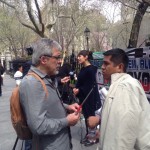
(139, 1)
(39, 15)
(137, 23)
(29, 11)
(38, 28)
(8, 4)
(145, 1)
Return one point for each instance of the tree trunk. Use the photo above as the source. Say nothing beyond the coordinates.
(142, 7)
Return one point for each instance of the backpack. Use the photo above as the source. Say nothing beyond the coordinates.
(18, 118)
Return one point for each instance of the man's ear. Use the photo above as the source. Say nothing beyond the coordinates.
(86, 57)
(43, 60)
(120, 68)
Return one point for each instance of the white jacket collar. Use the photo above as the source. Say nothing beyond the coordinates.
(116, 76)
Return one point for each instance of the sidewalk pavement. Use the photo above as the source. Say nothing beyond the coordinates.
(7, 133)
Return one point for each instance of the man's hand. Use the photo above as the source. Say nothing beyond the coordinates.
(75, 91)
(65, 80)
(73, 108)
(73, 118)
(93, 121)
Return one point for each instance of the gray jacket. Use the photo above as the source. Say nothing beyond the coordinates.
(46, 116)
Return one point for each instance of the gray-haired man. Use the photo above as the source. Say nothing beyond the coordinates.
(46, 116)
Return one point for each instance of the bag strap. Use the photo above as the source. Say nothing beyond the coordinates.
(16, 141)
(42, 82)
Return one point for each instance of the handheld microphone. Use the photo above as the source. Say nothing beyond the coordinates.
(85, 99)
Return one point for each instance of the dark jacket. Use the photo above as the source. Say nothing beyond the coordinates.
(2, 70)
(87, 81)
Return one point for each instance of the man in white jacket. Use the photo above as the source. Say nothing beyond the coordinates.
(125, 119)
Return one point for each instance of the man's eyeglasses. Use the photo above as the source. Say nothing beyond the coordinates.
(56, 57)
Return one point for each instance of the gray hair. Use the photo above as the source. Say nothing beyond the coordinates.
(44, 46)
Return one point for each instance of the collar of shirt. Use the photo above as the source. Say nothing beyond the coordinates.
(40, 74)
(118, 76)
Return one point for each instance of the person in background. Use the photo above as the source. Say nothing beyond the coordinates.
(18, 75)
(63, 87)
(0, 85)
(46, 115)
(2, 70)
(26, 67)
(125, 118)
(86, 80)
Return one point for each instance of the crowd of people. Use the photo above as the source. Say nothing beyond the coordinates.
(123, 117)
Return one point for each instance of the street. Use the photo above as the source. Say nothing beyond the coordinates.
(7, 133)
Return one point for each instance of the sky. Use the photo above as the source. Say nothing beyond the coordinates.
(112, 11)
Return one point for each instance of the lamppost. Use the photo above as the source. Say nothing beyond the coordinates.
(87, 34)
